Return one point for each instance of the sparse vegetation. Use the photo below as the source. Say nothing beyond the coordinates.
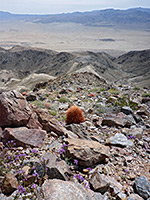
(53, 112)
(63, 100)
(146, 95)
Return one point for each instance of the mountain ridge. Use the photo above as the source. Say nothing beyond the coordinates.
(96, 17)
(21, 62)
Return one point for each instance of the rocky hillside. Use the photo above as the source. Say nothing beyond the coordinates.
(137, 66)
(105, 157)
(21, 63)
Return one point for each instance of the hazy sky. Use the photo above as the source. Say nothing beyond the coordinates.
(59, 6)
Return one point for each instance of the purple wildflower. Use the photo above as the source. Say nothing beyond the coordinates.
(89, 169)
(79, 177)
(75, 162)
(33, 186)
(35, 174)
(61, 151)
(21, 190)
(9, 157)
(34, 151)
(86, 184)
(64, 145)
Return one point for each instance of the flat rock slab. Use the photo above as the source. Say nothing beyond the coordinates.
(119, 140)
(61, 190)
(86, 152)
(119, 119)
(134, 132)
(24, 137)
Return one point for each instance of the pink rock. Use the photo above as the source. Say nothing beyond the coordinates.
(24, 137)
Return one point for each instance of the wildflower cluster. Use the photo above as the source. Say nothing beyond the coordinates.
(131, 137)
(82, 180)
(62, 151)
(13, 159)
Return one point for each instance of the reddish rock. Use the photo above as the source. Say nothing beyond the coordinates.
(1, 131)
(87, 152)
(24, 137)
(33, 122)
(10, 183)
(119, 119)
(49, 123)
(15, 110)
(58, 189)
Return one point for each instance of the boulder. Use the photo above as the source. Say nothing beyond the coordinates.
(15, 110)
(58, 189)
(49, 123)
(10, 183)
(126, 110)
(79, 129)
(142, 186)
(56, 168)
(86, 152)
(24, 137)
(119, 119)
(134, 132)
(119, 140)
(101, 183)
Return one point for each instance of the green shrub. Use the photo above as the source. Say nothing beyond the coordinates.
(53, 112)
(113, 91)
(63, 100)
(39, 104)
(146, 95)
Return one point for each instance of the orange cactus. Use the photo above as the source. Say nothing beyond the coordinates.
(74, 115)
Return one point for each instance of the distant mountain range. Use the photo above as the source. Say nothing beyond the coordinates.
(108, 17)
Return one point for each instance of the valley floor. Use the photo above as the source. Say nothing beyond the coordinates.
(73, 37)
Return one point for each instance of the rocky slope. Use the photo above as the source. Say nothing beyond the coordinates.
(106, 157)
(24, 63)
(137, 66)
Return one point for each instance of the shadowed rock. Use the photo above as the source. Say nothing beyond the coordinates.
(49, 123)
(119, 119)
(86, 152)
(10, 183)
